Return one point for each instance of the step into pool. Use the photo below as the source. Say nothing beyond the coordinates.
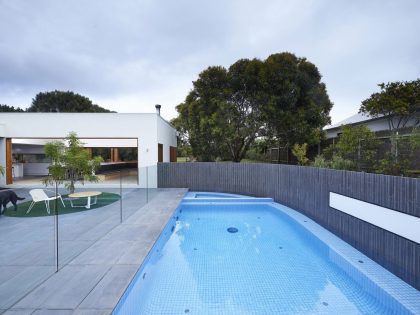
(233, 255)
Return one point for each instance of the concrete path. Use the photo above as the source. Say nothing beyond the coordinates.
(99, 256)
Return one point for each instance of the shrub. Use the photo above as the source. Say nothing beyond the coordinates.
(299, 151)
(321, 162)
(337, 163)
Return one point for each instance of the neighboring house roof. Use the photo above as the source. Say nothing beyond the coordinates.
(376, 124)
(355, 119)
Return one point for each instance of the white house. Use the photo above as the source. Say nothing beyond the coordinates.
(147, 138)
(375, 124)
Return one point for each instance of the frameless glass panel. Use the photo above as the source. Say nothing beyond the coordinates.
(85, 217)
(27, 255)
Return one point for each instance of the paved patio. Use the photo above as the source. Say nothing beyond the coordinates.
(98, 256)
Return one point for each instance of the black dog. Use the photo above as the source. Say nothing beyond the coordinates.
(8, 196)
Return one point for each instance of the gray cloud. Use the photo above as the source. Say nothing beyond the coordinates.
(128, 55)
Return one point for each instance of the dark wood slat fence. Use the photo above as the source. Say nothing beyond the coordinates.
(306, 189)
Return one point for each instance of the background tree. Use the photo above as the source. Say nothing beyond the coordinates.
(281, 97)
(183, 146)
(398, 101)
(8, 109)
(66, 102)
(415, 138)
(355, 150)
(221, 115)
(259, 150)
(70, 163)
(197, 119)
(240, 114)
(403, 150)
(297, 104)
(357, 144)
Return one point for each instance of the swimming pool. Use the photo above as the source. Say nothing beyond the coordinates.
(233, 255)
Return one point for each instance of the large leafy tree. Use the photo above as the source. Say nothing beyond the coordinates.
(297, 104)
(10, 109)
(228, 109)
(398, 101)
(240, 114)
(197, 119)
(67, 102)
(183, 146)
(71, 162)
(221, 115)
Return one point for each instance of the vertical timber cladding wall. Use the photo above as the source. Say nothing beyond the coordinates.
(306, 189)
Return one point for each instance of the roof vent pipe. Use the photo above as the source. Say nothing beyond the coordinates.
(157, 106)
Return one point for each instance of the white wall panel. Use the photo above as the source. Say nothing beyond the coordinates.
(405, 225)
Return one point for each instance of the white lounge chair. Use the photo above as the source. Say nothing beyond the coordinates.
(40, 195)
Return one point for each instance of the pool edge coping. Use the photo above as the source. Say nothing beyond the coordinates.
(340, 252)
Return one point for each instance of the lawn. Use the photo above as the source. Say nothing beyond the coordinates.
(39, 209)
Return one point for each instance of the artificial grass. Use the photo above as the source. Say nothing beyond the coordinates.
(39, 209)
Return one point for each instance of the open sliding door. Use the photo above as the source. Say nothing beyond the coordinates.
(172, 154)
(160, 152)
(9, 162)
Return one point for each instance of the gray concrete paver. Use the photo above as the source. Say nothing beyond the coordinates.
(52, 312)
(20, 281)
(101, 255)
(66, 289)
(102, 252)
(92, 312)
(19, 312)
(136, 253)
(107, 293)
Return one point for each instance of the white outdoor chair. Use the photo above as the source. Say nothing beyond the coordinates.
(40, 195)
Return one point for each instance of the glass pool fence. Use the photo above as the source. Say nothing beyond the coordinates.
(46, 227)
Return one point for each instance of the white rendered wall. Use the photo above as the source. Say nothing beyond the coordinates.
(402, 224)
(166, 135)
(143, 127)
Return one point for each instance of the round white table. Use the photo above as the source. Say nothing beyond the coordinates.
(85, 194)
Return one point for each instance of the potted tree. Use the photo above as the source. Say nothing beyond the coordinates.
(70, 163)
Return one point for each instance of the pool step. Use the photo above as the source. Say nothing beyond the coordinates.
(226, 200)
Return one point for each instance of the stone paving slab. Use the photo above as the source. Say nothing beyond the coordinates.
(20, 280)
(52, 312)
(94, 280)
(135, 254)
(27, 253)
(127, 232)
(107, 293)
(110, 251)
(66, 289)
(19, 312)
(92, 312)
(98, 231)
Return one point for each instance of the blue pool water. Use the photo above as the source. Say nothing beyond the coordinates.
(266, 264)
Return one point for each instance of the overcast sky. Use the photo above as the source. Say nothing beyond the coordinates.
(128, 55)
